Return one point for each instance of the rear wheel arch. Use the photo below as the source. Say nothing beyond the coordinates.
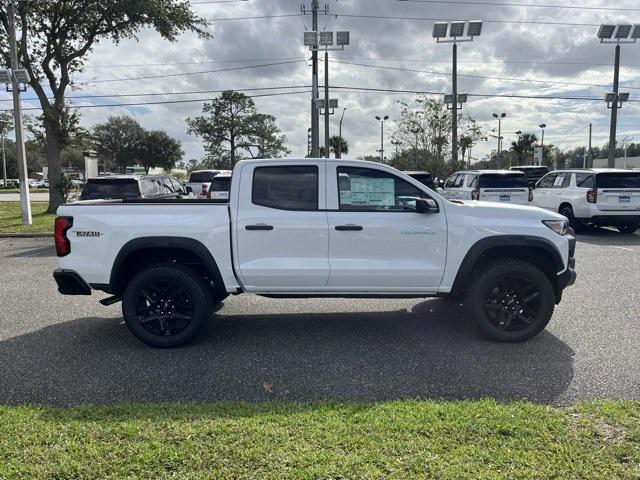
(539, 252)
(140, 253)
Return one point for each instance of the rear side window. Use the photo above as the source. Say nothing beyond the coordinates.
(202, 177)
(618, 180)
(584, 180)
(286, 187)
(503, 181)
(110, 189)
(220, 184)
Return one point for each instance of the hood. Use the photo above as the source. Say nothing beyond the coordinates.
(509, 210)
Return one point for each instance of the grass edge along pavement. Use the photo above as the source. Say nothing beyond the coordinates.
(401, 439)
(11, 219)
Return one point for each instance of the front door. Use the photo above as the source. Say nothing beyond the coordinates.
(281, 228)
(377, 241)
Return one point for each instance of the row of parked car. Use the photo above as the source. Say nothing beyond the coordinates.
(596, 196)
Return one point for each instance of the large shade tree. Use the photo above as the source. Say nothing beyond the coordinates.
(55, 38)
(232, 129)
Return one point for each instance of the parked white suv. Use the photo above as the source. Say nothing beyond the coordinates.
(506, 186)
(220, 186)
(199, 181)
(599, 196)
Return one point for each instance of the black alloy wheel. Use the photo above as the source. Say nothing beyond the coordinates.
(164, 308)
(512, 304)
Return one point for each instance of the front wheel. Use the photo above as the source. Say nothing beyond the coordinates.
(567, 211)
(628, 228)
(511, 300)
(166, 305)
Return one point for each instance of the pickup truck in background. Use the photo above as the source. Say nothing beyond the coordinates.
(314, 228)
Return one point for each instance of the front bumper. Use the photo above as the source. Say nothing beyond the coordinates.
(568, 277)
(70, 283)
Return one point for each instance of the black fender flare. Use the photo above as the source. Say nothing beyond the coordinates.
(484, 245)
(194, 246)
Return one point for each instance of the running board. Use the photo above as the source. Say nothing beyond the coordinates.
(110, 300)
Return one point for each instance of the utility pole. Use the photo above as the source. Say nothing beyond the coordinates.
(611, 162)
(339, 152)
(454, 110)
(315, 118)
(25, 203)
(326, 104)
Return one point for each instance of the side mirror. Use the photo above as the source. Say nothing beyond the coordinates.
(426, 205)
(440, 183)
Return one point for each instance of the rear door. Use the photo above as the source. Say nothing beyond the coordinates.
(618, 191)
(504, 188)
(378, 243)
(281, 230)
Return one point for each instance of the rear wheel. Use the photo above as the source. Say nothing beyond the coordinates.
(166, 305)
(511, 300)
(628, 227)
(567, 211)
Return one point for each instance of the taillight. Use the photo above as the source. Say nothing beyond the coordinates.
(592, 196)
(204, 190)
(60, 228)
(475, 195)
(530, 194)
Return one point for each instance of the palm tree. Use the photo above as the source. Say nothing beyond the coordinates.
(333, 146)
(523, 146)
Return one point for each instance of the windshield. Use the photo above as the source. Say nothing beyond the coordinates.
(423, 178)
(204, 177)
(534, 172)
(618, 180)
(111, 188)
(503, 181)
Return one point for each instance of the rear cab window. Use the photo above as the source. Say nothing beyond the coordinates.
(110, 188)
(503, 180)
(220, 184)
(286, 187)
(202, 177)
(617, 180)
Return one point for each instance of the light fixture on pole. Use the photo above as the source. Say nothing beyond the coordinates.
(325, 41)
(542, 126)
(382, 120)
(461, 31)
(616, 34)
(339, 152)
(499, 156)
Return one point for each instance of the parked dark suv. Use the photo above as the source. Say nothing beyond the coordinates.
(532, 172)
(132, 186)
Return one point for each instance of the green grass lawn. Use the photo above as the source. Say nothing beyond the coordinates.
(15, 190)
(404, 439)
(11, 219)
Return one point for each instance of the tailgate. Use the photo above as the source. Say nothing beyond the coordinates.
(519, 196)
(618, 191)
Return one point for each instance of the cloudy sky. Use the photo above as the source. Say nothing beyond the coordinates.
(525, 49)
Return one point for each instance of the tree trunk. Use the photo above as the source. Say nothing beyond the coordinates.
(52, 149)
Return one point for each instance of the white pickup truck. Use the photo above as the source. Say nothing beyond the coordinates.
(314, 228)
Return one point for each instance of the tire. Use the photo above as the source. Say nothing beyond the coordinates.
(166, 305)
(567, 211)
(511, 300)
(627, 228)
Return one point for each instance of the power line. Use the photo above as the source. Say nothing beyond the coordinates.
(196, 100)
(256, 17)
(509, 79)
(204, 62)
(533, 5)
(184, 74)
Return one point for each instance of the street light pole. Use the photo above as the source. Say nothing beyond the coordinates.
(326, 104)
(382, 120)
(454, 109)
(611, 160)
(542, 126)
(25, 201)
(4, 159)
(339, 151)
(499, 156)
(315, 119)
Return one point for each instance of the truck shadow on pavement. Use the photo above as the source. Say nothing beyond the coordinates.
(429, 351)
(607, 237)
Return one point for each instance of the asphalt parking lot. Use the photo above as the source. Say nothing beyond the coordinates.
(65, 351)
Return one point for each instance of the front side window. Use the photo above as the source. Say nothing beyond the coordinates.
(286, 187)
(367, 189)
(451, 181)
(548, 181)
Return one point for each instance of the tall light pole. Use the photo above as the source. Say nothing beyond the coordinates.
(617, 34)
(456, 34)
(339, 151)
(499, 117)
(382, 120)
(18, 76)
(4, 159)
(542, 126)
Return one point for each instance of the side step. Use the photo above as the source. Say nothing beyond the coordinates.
(110, 300)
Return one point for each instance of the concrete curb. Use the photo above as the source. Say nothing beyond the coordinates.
(26, 235)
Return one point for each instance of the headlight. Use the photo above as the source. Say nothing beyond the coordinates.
(561, 227)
